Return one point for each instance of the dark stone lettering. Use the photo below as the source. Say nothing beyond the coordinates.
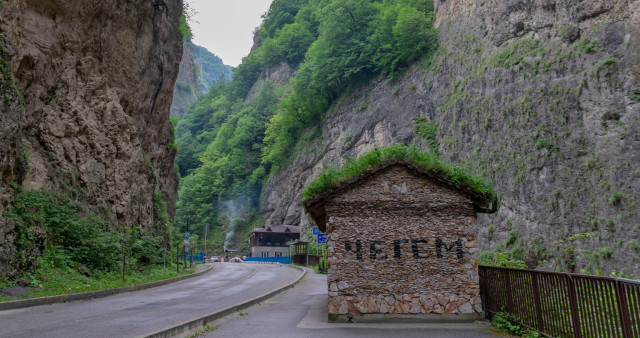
(347, 246)
(373, 252)
(397, 253)
(414, 247)
(377, 249)
(440, 244)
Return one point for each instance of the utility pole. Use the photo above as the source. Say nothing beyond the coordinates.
(123, 257)
(186, 249)
(206, 229)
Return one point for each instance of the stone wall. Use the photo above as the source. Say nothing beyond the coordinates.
(401, 243)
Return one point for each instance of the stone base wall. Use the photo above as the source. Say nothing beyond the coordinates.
(466, 303)
(407, 318)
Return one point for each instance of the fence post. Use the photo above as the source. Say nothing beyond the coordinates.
(483, 290)
(573, 302)
(623, 309)
(509, 298)
(536, 293)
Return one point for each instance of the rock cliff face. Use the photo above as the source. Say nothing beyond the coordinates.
(87, 87)
(186, 90)
(540, 97)
(199, 70)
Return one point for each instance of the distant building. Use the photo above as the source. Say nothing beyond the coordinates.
(401, 244)
(272, 241)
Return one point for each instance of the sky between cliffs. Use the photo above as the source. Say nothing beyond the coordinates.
(225, 27)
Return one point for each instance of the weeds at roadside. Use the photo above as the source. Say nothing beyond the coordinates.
(206, 328)
(508, 323)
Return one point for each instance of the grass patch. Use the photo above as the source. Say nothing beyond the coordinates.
(331, 178)
(428, 130)
(616, 198)
(52, 281)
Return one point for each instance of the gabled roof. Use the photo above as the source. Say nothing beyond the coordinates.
(484, 202)
(278, 229)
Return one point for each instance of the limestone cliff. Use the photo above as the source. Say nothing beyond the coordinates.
(542, 98)
(199, 70)
(87, 87)
(186, 90)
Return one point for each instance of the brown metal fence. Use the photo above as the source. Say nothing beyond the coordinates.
(564, 304)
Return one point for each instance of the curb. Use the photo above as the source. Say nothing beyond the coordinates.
(19, 304)
(201, 321)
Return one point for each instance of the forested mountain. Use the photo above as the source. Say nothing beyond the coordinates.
(199, 70)
(210, 69)
(229, 145)
(539, 97)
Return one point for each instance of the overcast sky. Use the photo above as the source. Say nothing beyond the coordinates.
(225, 27)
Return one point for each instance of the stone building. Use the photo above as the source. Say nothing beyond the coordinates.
(401, 244)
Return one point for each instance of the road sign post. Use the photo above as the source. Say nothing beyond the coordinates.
(315, 237)
(322, 239)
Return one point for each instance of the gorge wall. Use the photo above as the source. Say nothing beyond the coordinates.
(86, 90)
(540, 97)
(199, 70)
(185, 91)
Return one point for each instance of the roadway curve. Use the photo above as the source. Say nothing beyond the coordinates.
(139, 313)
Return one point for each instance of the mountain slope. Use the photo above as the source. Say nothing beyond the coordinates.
(540, 97)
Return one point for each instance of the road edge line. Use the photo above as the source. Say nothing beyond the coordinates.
(201, 321)
(70, 297)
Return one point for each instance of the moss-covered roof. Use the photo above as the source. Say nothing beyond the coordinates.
(331, 181)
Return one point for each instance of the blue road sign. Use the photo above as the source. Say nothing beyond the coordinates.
(322, 238)
(315, 231)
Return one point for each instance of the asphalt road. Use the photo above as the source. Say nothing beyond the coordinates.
(302, 312)
(138, 313)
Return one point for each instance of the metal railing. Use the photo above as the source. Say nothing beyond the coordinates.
(563, 304)
(281, 259)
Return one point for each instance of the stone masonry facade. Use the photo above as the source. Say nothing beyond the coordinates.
(400, 242)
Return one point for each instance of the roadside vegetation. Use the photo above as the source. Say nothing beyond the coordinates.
(52, 281)
(243, 132)
(80, 249)
(66, 241)
(509, 324)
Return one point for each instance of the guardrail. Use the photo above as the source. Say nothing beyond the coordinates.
(281, 260)
(563, 304)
